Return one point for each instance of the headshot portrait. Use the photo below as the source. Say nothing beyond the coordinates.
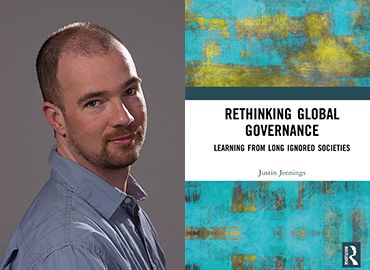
(92, 114)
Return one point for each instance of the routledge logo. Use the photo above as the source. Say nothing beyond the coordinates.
(351, 254)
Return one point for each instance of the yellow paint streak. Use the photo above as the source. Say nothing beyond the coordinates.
(233, 233)
(242, 261)
(245, 53)
(221, 75)
(190, 17)
(328, 50)
(328, 187)
(214, 25)
(212, 233)
(301, 233)
(300, 263)
(268, 25)
(318, 25)
(205, 24)
(329, 236)
(210, 51)
(300, 195)
(239, 201)
(332, 55)
(364, 2)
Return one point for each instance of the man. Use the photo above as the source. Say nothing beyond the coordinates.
(87, 216)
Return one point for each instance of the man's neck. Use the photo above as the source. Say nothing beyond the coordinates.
(115, 177)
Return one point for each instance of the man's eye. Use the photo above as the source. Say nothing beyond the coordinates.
(130, 92)
(92, 104)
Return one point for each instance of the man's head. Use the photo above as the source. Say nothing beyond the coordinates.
(93, 96)
(80, 38)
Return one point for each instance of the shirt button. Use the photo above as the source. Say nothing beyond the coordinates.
(127, 200)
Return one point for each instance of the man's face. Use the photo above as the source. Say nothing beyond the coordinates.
(105, 111)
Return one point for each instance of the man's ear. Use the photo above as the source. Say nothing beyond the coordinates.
(55, 117)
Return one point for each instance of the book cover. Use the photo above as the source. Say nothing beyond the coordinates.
(276, 135)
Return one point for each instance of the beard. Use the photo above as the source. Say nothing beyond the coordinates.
(113, 157)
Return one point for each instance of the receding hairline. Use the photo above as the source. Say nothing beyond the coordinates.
(68, 61)
(97, 51)
(79, 38)
(86, 39)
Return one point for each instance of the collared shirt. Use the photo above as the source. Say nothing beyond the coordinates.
(79, 221)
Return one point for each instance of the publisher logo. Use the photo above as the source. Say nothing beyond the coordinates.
(351, 254)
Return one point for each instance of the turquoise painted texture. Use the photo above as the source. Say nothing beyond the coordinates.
(294, 225)
(290, 47)
(341, 14)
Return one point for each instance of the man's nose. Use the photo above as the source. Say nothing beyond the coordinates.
(121, 116)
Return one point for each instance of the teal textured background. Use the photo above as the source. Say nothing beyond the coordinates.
(277, 43)
(274, 225)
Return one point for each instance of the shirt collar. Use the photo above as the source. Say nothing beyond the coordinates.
(102, 196)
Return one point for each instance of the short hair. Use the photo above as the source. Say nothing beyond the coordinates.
(81, 38)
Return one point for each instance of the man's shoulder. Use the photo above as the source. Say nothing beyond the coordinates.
(57, 220)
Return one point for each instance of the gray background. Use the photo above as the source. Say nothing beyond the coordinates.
(154, 33)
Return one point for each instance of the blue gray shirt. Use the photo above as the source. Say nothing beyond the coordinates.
(79, 221)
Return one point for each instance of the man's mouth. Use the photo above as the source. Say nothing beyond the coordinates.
(123, 139)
